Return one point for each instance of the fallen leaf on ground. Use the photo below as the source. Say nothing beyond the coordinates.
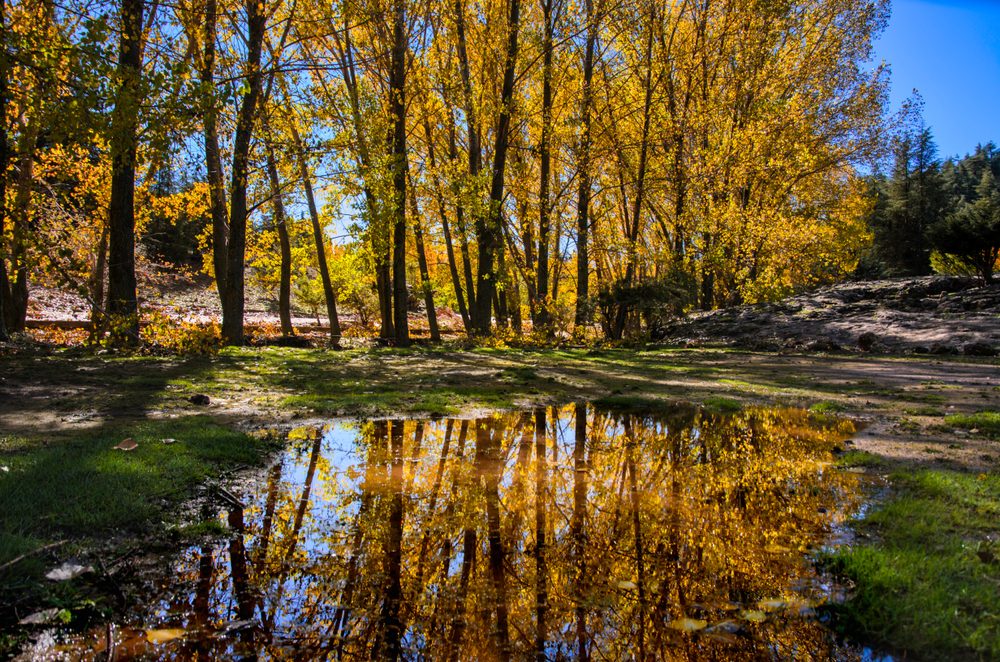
(44, 617)
(127, 445)
(67, 571)
(627, 586)
(169, 441)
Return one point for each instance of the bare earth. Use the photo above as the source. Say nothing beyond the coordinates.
(901, 401)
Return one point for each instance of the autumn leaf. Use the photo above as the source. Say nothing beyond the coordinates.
(127, 445)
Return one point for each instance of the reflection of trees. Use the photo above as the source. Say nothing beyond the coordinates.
(594, 546)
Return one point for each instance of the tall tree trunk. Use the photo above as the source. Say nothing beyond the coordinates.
(397, 148)
(425, 277)
(213, 155)
(319, 238)
(582, 317)
(97, 281)
(446, 228)
(475, 150)
(618, 328)
(542, 319)
(233, 300)
(123, 307)
(4, 163)
(285, 277)
(488, 228)
(460, 226)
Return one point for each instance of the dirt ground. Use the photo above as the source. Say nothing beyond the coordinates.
(902, 402)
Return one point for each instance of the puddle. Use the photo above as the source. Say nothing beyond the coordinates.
(567, 532)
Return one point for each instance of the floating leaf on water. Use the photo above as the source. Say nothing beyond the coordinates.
(157, 637)
(772, 605)
(776, 549)
(67, 571)
(687, 624)
(753, 616)
(627, 586)
(127, 445)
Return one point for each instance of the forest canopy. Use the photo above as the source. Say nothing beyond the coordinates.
(580, 166)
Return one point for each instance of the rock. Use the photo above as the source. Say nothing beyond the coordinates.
(822, 345)
(942, 349)
(199, 399)
(979, 349)
(867, 341)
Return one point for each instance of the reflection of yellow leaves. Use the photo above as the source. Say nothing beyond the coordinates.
(162, 636)
(304, 433)
(687, 624)
(753, 615)
(772, 605)
(776, 549)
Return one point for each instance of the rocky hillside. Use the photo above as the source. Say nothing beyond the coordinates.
(935, 315)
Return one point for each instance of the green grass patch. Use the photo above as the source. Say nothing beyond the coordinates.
(864, 459)
(720, 405)
(987, 422)
(925, 410)
(827, 408)
(86, 489)
(929, 583)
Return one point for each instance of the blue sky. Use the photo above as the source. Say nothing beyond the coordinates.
(949, 50)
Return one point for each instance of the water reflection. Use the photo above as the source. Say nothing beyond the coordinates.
(559, 533)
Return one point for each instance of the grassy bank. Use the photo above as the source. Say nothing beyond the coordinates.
(929, 579)
(925, 579)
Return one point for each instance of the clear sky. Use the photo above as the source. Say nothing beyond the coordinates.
(949, 50)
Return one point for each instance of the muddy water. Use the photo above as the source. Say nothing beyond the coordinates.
(560, 533)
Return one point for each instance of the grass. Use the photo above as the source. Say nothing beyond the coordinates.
(986, 422)
(863, 459)
(85, 489)
(929, 581)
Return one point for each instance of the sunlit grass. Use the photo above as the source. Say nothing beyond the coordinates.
(986, 422)
(929, 581)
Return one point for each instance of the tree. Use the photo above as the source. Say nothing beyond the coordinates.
(123, 308)
(971, 233)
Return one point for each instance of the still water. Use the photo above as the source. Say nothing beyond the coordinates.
(559, 533)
